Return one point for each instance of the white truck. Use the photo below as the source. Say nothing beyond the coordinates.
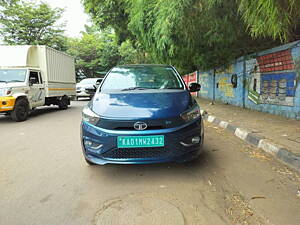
(33, 76)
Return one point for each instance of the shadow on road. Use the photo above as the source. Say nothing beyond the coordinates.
(37, 113)
(156, 172)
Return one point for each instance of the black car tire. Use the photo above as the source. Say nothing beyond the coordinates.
(20, 111)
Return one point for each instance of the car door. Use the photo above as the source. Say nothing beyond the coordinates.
(37, 89)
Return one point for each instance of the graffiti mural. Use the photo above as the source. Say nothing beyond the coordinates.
(273, 79)
(226, 87)
(224, 83)
(204, 82)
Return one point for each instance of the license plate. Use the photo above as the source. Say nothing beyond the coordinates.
(141, 141)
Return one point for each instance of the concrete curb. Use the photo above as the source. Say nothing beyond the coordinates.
(284, 155)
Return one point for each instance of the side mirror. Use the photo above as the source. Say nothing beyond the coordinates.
(194, 87)
(32, 80)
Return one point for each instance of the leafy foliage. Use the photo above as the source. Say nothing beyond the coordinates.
(28, 23)
(109, 13)
(98, 51)
(94, 53)
(199, 33)
(7, 2)
(274, 18)
(133, 53)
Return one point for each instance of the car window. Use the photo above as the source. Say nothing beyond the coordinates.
(34, 77)
(153, 77)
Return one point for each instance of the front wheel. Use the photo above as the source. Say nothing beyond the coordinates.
(20, 111)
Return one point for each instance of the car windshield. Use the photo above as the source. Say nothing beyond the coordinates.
(12, 75)
(142, 77)
(88, 81)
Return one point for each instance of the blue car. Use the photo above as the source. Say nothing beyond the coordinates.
(142, 114)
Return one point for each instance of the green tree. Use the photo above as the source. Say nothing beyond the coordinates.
(7, 2)
(33, 24)
(109, 14)
(193, 34)
(95, 52)
(133, 53)
(274, 18)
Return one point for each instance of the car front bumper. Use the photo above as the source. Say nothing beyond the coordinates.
(178, 146)
(82, 94)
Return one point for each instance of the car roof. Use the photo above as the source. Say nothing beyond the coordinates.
(143, 65)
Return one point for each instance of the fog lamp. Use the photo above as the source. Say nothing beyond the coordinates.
(196, 140)
(92, 145)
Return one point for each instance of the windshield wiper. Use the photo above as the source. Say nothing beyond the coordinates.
(135, 88)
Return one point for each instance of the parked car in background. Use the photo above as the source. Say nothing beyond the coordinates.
(142, 114)
(87, 87)
(33, 76)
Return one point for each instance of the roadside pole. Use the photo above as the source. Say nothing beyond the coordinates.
(244, 82)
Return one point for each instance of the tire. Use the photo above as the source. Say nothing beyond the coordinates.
(63, 103)
(20, 111)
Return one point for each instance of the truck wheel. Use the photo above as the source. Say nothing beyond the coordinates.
(20, 111)
(63, 103)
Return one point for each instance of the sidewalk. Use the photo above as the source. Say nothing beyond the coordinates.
(262, 128)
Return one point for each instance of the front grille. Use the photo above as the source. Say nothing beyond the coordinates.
(153, 124)
(135, 153)
(148, 128)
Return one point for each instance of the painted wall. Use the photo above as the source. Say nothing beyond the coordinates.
(267, 81)
(206, 80)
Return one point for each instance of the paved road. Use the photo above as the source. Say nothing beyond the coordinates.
(44, 180)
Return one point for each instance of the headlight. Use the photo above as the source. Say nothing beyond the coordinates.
(8, 91)
(5, 91)
(191, 114)
(89, 116)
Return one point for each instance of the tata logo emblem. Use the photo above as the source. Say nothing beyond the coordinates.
(140, 126)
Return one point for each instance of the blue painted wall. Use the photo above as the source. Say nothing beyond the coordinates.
(276, 74)
(207, 84)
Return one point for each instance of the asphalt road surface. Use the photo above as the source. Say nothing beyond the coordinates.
(45, 180)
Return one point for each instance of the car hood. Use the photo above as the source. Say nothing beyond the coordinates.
(84, 86)
(140, 104)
